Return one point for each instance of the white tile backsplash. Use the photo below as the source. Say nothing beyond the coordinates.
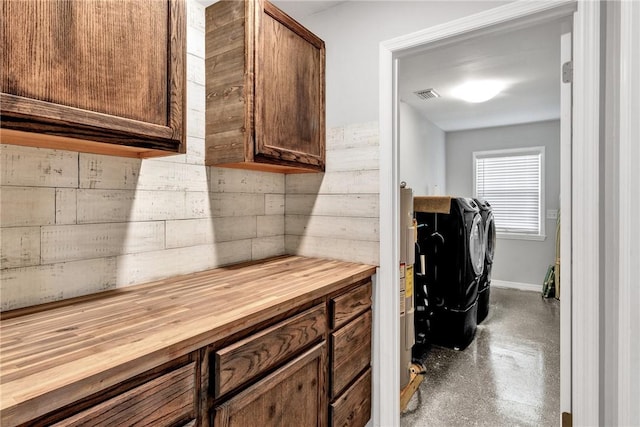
(224, 180)
(26, 206)
(38, 167)
(337, 214)
(75, 223)
(20, 246)
(66, 206)
(274, 204)
(60, 243)
(45, 283)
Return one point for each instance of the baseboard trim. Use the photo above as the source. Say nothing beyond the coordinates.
(516, 285)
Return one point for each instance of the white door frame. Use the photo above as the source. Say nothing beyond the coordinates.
(628, 412)
(565, 226)
(584, 399)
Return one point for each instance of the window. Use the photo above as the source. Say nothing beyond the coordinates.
(512, 181)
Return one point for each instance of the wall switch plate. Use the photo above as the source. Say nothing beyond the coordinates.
(552, 214)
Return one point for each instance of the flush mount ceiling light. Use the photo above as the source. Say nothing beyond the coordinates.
(478, 90)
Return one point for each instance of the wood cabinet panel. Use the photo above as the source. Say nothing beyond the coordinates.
(351, 352)
(63, 52)
(290, 83)
(353, 407)
(265, 90)
(163, 401)
(294, 395)
(248, 358)
(97, 76)
(348, 305)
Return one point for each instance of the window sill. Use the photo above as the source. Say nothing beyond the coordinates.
(515, 236)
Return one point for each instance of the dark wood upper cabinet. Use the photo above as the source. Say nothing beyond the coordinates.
(94, 76)
(265, 89)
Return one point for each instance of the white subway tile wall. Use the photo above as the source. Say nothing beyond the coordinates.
(72, 224)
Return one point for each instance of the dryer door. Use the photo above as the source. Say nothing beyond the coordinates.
(476, 245)
(490, 238)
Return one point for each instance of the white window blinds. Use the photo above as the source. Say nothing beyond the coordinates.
(512, 181)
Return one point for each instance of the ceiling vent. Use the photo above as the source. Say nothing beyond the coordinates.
(427, 94)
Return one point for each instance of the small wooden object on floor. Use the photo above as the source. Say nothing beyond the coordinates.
(417, 375)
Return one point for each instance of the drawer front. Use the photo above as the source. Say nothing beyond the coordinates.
(248, 358)
(293, 395)
(163, 401)
(353, 407)
(345, 307)
(351, 352)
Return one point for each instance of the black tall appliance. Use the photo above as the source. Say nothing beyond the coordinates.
(451, 256)
(484, 289)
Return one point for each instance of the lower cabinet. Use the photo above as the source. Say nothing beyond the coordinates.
(350, 358)
(263, 380)
(293, 395)
(251, 357)
(168, 400)
(353, 407)
(351, 352)
(307, 366)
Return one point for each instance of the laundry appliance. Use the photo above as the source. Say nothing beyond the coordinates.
(489, 249)
(451, 255)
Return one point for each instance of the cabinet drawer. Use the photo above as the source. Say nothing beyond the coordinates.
(293, 395)
(353, 407)
(164, 401)
(351, 352)
(349, 305)
(248, 358)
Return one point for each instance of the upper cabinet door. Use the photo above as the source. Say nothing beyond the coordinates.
(290, 90)
(265, 90)
(102, 76)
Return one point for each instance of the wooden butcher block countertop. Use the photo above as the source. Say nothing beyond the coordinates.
(55, 355)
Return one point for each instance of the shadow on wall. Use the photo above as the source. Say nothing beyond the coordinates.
(336, 214)
(74, 224)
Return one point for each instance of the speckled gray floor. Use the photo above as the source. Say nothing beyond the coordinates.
(508, 376)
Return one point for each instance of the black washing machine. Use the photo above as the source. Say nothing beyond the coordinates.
(484, 289)
(452, 246)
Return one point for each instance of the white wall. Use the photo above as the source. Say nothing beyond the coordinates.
(522, 261)
(336, 214)
(422, 153)
(352, 33)
(75, 223)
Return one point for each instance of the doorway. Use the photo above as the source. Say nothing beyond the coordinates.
(581, 394)
(505, 150)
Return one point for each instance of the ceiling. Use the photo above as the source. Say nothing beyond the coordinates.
(527, 60)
